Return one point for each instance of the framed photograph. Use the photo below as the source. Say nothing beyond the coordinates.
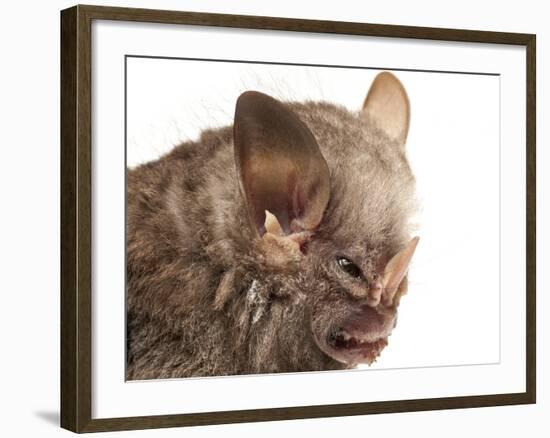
(269, 218)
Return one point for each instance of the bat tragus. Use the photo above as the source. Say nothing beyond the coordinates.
(278, 244)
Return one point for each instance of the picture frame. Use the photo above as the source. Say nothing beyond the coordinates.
(78, 170)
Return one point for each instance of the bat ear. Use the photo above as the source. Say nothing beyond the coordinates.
(280, 167)
(395, 271)
(388, 105)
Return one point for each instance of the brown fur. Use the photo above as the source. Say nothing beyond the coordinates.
(202, 296)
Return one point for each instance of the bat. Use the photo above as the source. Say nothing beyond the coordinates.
(281, 243)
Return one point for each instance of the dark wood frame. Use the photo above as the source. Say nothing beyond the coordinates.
(76, 161)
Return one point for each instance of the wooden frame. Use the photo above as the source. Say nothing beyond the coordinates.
(76, 334)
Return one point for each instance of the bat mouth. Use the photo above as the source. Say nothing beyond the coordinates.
(353, 349)
(360, 337)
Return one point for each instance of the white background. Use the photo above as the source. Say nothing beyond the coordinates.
(30, 221)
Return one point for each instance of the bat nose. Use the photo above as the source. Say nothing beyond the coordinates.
(374, 294)
(369, 294)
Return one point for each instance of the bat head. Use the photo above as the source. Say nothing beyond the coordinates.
(328, 194)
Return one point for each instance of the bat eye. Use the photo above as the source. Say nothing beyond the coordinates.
(349, 267)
